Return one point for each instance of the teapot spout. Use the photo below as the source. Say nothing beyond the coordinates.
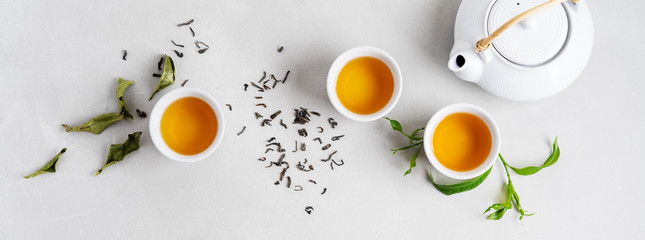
(466, 64)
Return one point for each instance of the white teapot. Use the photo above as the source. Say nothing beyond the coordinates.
(544, 47)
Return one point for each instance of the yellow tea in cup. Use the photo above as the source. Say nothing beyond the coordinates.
(461, 142)
(365, 85)
(189, 126)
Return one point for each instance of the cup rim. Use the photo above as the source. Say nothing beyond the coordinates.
(354, 53)
(155, 123)
(459, 108)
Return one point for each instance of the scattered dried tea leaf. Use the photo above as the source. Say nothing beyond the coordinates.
(121, 86)
(50, 166)
(119, 151)
(167, 77)
(96, 125)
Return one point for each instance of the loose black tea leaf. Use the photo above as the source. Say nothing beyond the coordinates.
(282, 124)
(167, 77)
(246, 86)
(309, 209)
(258, 97)
(280, 161)
(184, 83)
(329, 158)
(160, 63)
(200, 43)
(230, 108)
(157, 75)
(318, 139)
(302, 116)
(326, 147)
(141, 114)
(315, 113)
(261, 105)
(284, 171)
(121, 86)
(336, 138)
(258, 87)
(244, 128)
(276, 183)
(96, 125)
(266, 122)
(125, 54)
(324, 191)
(262, 159)
(266, 87)
(199, 46)
(264, 75)
(296, 148)
(332, 122)
(179, 54)
(312, 181)
(288, 182)
(186, 23)
(119, 151)
(257, 115)
(333, 162)
(303, 147)
(285, 77)
(302, 132)
(178, 45)
(268, 149)
(271, 139)
(280, 48)
(273, 116)
(297, 188)
(320, 130)
(50, 166)
(301, 167)
(311, 167)
(191, 31)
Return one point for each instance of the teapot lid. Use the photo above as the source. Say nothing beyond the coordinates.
(536, 40)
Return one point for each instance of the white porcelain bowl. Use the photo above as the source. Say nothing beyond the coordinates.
(461, 108)
(354, 53)
(158, 111)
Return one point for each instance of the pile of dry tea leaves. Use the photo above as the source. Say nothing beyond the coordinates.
(292, 160)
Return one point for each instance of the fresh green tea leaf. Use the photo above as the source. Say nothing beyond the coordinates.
(96, 125)
(413, 161)
(460, 187)
(510, 197)
(119, 151)
(549, 161)
(49, 167)
(397, 127)
(499, 212)
(415, 133)
(394, 151)
(122, 85)
(167, 77)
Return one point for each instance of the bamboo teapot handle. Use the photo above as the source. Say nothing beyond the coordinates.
(484, 43)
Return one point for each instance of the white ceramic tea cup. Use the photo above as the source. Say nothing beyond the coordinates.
(354, 53)
(158, 111)
(462, 108)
